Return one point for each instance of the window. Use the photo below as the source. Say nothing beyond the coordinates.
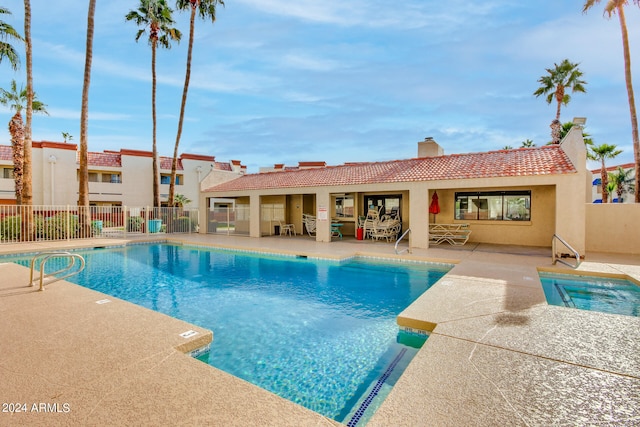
(385, 204)
(166, 179)
(93, 177)
(345, 207)
(113, 178)
(494, 206)
(7, 173)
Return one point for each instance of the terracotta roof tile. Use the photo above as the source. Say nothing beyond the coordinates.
(222, 166)
(547, 160)
(165, 163)
(104, 159)
(6, 152)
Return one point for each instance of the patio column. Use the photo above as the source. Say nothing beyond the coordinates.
(254, 215)
(419, 216)
(323, 216)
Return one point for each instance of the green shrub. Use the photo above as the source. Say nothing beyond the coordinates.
(56, 227)
(134, 224)
(10, 228)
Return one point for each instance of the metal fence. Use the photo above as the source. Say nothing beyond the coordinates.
(49, 223)
(229, 220)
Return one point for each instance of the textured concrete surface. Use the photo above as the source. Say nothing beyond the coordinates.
(498, 354)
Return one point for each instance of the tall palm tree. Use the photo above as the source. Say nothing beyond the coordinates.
(83, 186)
(7, 32)
(16, 100)
(623, 180)
(558, 81)
(617, 7)
(27, 225)
(600, 153)
(207, 10)
(155, 15)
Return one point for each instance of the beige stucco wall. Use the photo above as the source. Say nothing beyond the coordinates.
(558, 203)
(537, 232)
(613, 227)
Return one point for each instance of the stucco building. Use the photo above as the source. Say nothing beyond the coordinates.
(522, 196)
(116, 178)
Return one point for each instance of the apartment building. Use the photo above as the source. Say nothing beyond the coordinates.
(116, 178)
(627, 195)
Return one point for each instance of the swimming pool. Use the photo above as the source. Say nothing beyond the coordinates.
(317, 332)
(607, 295)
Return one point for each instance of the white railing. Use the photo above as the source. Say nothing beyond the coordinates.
(51, 223)
(46, 256)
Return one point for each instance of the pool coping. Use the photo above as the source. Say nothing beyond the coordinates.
(451, 381)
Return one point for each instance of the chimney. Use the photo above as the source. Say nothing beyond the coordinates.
(429, 148)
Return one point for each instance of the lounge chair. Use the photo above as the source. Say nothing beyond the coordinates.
(309, 223)
(454, 234)
(387, 228)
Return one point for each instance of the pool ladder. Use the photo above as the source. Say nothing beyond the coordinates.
(46, 256)
(556, 257)
(398, 241)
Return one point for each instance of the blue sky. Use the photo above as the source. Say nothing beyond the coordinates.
(277, 81)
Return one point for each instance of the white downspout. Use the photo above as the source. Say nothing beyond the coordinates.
(52, 162)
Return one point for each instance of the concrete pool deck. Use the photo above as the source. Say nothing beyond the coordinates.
(497, 355)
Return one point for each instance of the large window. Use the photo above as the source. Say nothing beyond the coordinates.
(384, 204)
(345, 206)
(494, 206)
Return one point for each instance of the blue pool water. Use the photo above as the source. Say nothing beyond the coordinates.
(602, 294)
(319, 333)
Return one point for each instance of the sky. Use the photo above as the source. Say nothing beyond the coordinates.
(281, 81)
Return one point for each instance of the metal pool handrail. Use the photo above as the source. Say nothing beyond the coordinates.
(48, 255)
(398, 241)
(555, 257)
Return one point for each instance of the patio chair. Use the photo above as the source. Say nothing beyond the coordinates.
(309, 223)
(387, 229)
(373, 216)
(287, 229)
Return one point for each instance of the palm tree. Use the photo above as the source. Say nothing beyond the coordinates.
(600, 153)
(207, 10)
(16, 99)
(617, 7)
(67, 136)
(83, 186)
(7, 32)
(528, 143)
(623, 181)
(156, 15)
(181, 200)
(28, 225)
(558, 81)
(566, 127)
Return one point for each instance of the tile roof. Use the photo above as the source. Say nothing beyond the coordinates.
(222, 166)
(6, 152)
(615, 168)
(546, 160)
(165, 163)
(104, 159)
